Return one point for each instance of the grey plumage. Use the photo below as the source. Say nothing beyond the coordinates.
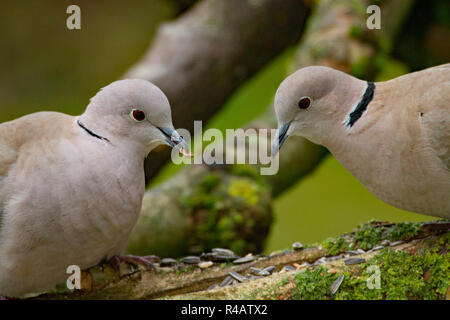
(68, 197)
(398, 147)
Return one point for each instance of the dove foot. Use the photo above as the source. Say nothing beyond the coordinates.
(145, 261)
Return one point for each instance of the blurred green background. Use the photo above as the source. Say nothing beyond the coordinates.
(45, 66)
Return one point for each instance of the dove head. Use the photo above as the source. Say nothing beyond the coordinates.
(312, 102)
(134, 112)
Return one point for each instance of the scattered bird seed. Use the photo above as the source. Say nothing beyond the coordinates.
(190, 260)
(224, 252)
(205, 264)
(320, 261)
(244, 259)
(211, 256)
(297, 246)
(269, 269)
(167, 262)
(336, 284)
(255, 270)
(351, 261)
(288, 268)
(226, 281)
(212, 287)
(237, 276)
(396, 243)
(334, 258)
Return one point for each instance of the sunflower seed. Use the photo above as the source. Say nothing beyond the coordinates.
(237, 276)
(255, 270)
(244, 259)
(167, 262)
(205, 264)
(212, 287)
(336, 284)
(334, 258)
(351, 261)
(190, 260)
(396, 243)
(297, 246)
(224, 252)
(211, 256)
(269, 269)
(288, 268)
(226, 281)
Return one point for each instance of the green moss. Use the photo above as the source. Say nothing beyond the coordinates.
(367, 236)
(245, 190)
(403, 276)
(229, 211)
(356, 31)
(312, 284)
(335, 245)
(210, 181)
(403, 231)
(245, 170)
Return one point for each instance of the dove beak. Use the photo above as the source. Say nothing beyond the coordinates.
(174, 140)
(280, 137)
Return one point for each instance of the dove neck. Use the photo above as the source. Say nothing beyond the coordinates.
(331, 124)
(89, 131)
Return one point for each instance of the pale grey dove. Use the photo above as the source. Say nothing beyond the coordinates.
(71, 187)
(393, 136)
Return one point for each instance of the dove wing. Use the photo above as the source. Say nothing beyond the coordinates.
(435, 120)
(8, 157)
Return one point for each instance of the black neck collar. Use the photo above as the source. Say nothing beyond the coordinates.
(362, 105)
(90, 131)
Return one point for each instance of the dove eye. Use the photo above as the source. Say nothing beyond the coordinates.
(304, 102)
(137, 115)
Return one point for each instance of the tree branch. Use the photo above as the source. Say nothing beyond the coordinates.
(201, 58)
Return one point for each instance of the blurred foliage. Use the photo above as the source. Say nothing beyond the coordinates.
(45, 66)
(425, 38)
(229, 212)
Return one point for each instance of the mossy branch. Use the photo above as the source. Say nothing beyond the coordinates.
(416, 266)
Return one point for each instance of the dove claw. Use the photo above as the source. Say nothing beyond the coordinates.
(132, 259)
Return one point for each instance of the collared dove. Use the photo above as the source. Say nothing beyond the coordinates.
(393, 136)
(71, 187)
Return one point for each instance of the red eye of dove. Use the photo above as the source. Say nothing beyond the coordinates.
(304, 102)
(137, 115)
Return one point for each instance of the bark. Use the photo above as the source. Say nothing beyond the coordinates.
(190, 282)
(199, 59)
(336, 37)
